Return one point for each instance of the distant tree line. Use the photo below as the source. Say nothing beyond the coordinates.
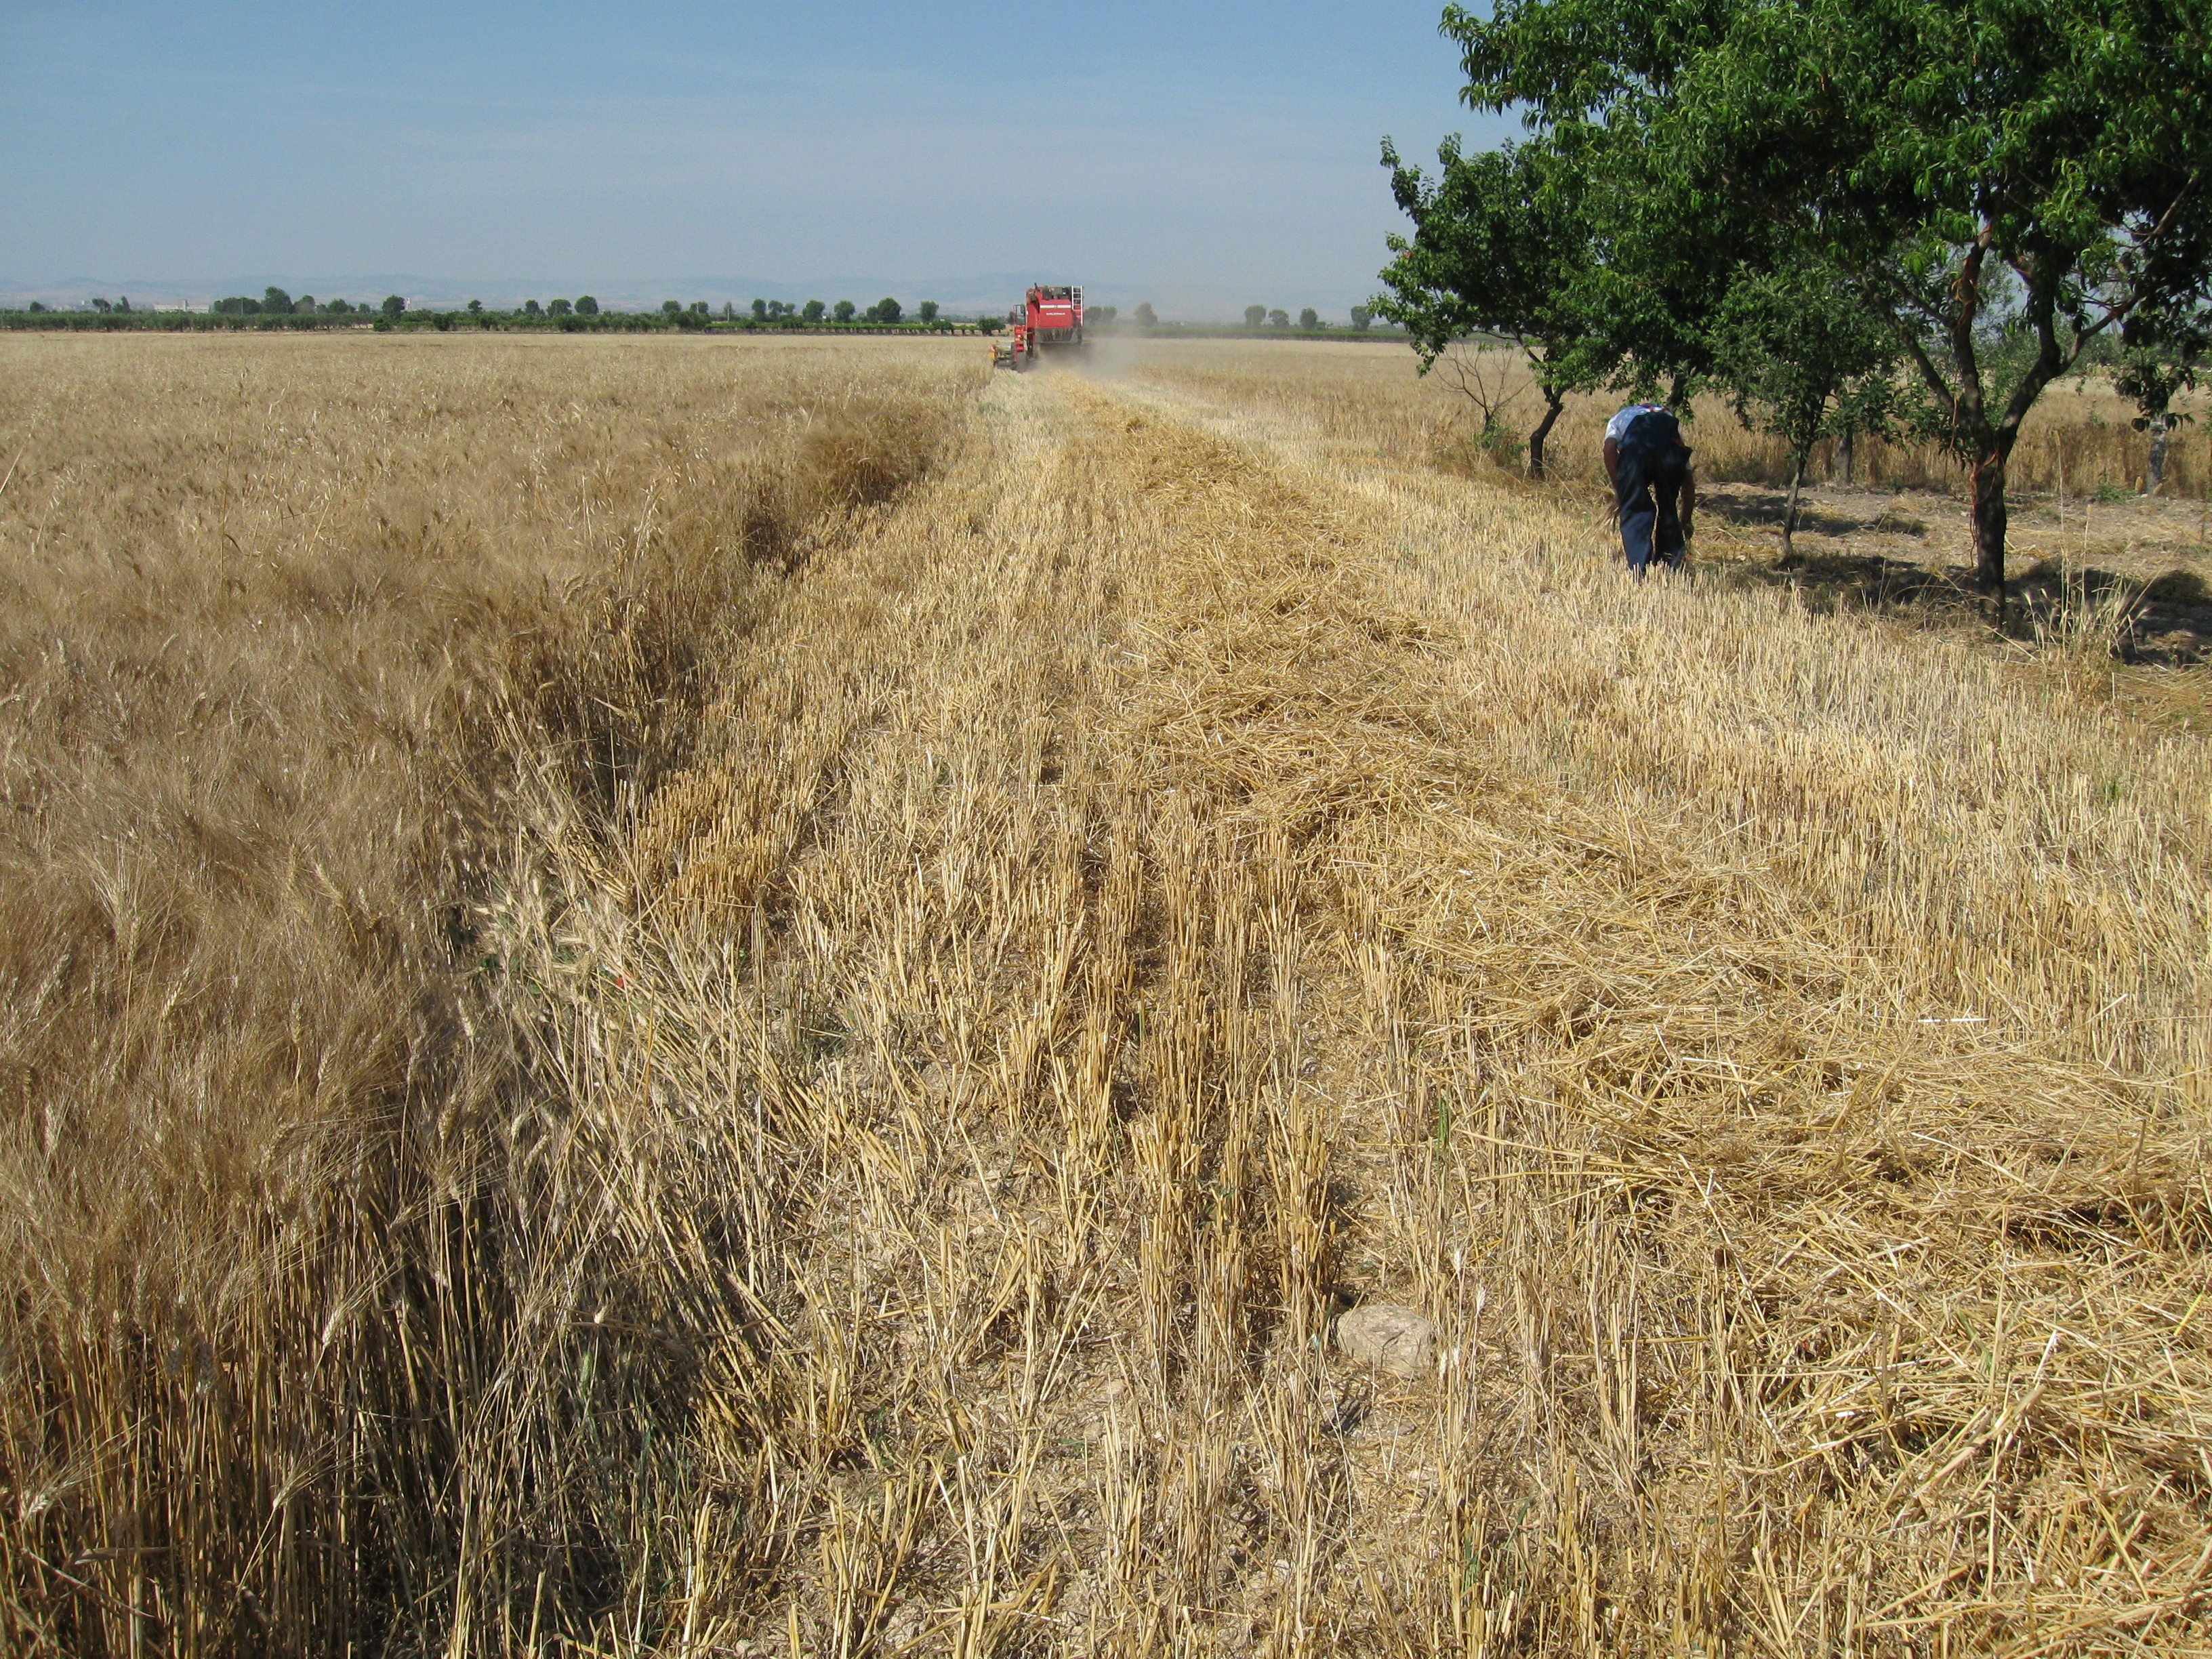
(275, 303)
(1310, 320)
(276, 308)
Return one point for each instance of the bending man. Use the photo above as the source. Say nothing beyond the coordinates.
(1649, 465)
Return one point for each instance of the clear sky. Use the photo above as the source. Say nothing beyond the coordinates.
(1226, 147)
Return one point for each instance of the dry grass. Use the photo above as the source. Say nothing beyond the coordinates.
(2097, 568)
(1175, 874)
(302, 642)
(2078, 440)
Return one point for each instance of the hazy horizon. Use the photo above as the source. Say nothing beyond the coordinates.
(1205, 160)
(979, 293)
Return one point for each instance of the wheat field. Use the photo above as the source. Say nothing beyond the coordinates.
(714, 997)
(2079, 438)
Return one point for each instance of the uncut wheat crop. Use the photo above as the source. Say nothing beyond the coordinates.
(700, 997)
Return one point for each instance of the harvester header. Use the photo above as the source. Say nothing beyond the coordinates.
(1050, 320)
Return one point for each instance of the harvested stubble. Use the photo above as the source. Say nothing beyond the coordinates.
(1173, 875)
(1130, 913)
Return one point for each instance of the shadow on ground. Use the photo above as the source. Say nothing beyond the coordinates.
(2135, 591)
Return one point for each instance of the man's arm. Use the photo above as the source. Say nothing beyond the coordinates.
(1612, 462)
(1689, 498)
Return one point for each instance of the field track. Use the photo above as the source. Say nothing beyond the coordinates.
(1168, 932)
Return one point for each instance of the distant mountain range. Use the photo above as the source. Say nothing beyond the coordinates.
(991, 292)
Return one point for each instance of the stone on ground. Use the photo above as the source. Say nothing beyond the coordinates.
(1391, 1336)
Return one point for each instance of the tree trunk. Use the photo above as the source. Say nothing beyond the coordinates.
(1989, 519)
(1553, 402)
(1990, 442)
(1842, 468)
(1790, 514)
(2155, 473)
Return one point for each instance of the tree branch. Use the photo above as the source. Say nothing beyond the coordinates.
(2043, 309)
(1966, 309)
(1910, 337)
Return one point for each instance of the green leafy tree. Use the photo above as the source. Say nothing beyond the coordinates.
(1802, 357)
(1309, 318)
(671, 307)
(123, 304)
(558, 308)
(1362, 318)
(273, 299)
(586, 305)
(38, 308)
(394, 307)
(1279, 318)
(103, 305)
(1146, 317)
(1504, 245)
(760, 311)
(1502, 248)
(1255, 316)
(887, 310)
(927, 311)
(844, 311)
(531, 308)
(475, 307)
(2011, 183)
(811, 312)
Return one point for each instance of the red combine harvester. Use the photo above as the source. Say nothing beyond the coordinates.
(1052, 320)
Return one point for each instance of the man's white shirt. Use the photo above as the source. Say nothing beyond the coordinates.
(1617, 427)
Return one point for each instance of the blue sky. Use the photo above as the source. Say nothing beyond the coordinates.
(1198, 150)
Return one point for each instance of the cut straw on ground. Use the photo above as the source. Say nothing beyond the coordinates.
(1117, 894)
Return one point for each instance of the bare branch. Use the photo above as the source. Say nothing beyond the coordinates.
(1484, 378)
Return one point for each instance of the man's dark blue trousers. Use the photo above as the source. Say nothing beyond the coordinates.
(1651, 462)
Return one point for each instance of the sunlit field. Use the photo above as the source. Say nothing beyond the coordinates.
(2097, 566)
(706, 997)
(2079, 438)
